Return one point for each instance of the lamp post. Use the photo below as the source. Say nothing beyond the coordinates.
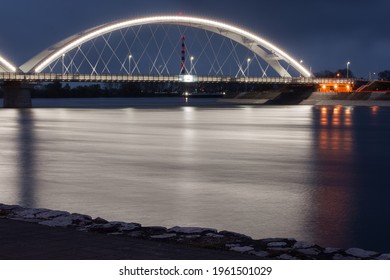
(348, 63)
(192, 64)
(130, 56)
(248, 61)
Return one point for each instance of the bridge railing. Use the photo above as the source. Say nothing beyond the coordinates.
(51, 77)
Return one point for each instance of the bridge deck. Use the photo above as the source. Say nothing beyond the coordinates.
(50, 77)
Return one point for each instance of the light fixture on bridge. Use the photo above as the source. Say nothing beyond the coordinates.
(192, 64)
(130, 57)
(187, 78)
(248, 61)
(348, 63)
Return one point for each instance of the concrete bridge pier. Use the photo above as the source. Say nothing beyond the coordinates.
(17, 95)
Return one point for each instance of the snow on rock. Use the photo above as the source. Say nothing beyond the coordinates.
(191, 230)
(243, 249)
(360, 253)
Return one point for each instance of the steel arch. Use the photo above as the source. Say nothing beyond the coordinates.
(6, 66)
(263, 48)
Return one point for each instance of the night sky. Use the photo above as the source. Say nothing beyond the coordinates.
(325, 34)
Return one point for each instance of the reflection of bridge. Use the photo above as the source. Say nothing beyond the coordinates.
(178, 49)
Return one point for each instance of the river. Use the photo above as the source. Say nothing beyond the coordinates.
(313, 173)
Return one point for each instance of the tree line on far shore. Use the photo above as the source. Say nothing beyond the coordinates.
(344, 73)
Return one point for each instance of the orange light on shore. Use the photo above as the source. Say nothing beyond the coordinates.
(331, 87)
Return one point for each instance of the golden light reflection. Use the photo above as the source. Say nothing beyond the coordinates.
(374, 110)
(336, 116)
(324, 116)
(348, 117)
(333, 204)
(336, 138)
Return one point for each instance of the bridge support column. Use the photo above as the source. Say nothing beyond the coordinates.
(17, 95)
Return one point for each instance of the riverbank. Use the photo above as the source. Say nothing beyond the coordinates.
(30, 233)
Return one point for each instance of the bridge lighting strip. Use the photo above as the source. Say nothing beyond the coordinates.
(169, 19)
(7, 64)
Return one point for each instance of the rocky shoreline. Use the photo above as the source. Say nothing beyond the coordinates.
(270, 249)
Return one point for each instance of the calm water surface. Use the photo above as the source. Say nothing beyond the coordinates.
(318, 174)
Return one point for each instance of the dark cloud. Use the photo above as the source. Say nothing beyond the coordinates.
(325, 34)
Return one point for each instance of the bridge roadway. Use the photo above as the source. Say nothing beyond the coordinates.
(107, 78)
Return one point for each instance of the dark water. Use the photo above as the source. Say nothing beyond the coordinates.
(319, 174)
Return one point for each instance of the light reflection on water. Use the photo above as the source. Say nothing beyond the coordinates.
(263, 171)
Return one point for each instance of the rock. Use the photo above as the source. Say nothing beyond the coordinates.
(342, 257)
(268, 240)
(155, 228)
(276, 244)
(191, 230)
(51, 214)
(235, 234)
(30, 213)
(383, 257)
(126, 226)
(214, 235)
(243, 249)
(331, 250)
(232, 245)
(164, 236)
(286, 257)
(10, 207)
(135, 233)
(279, 249)
(192, 236)
(360, 253)
(103, 228)
(99, 220)
(69, 220)
(310, 251)
(303, 245)
(261, 254)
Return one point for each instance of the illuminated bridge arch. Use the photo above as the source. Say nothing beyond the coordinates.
(267, 51)
(6, 66)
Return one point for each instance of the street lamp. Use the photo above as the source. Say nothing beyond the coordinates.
(130, 56)
(248, 61)
(348, 63)
(192, 65)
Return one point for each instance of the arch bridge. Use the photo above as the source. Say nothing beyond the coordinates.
(168, 48)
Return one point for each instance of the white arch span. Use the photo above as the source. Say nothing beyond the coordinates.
(263, 48)
(6, 66)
